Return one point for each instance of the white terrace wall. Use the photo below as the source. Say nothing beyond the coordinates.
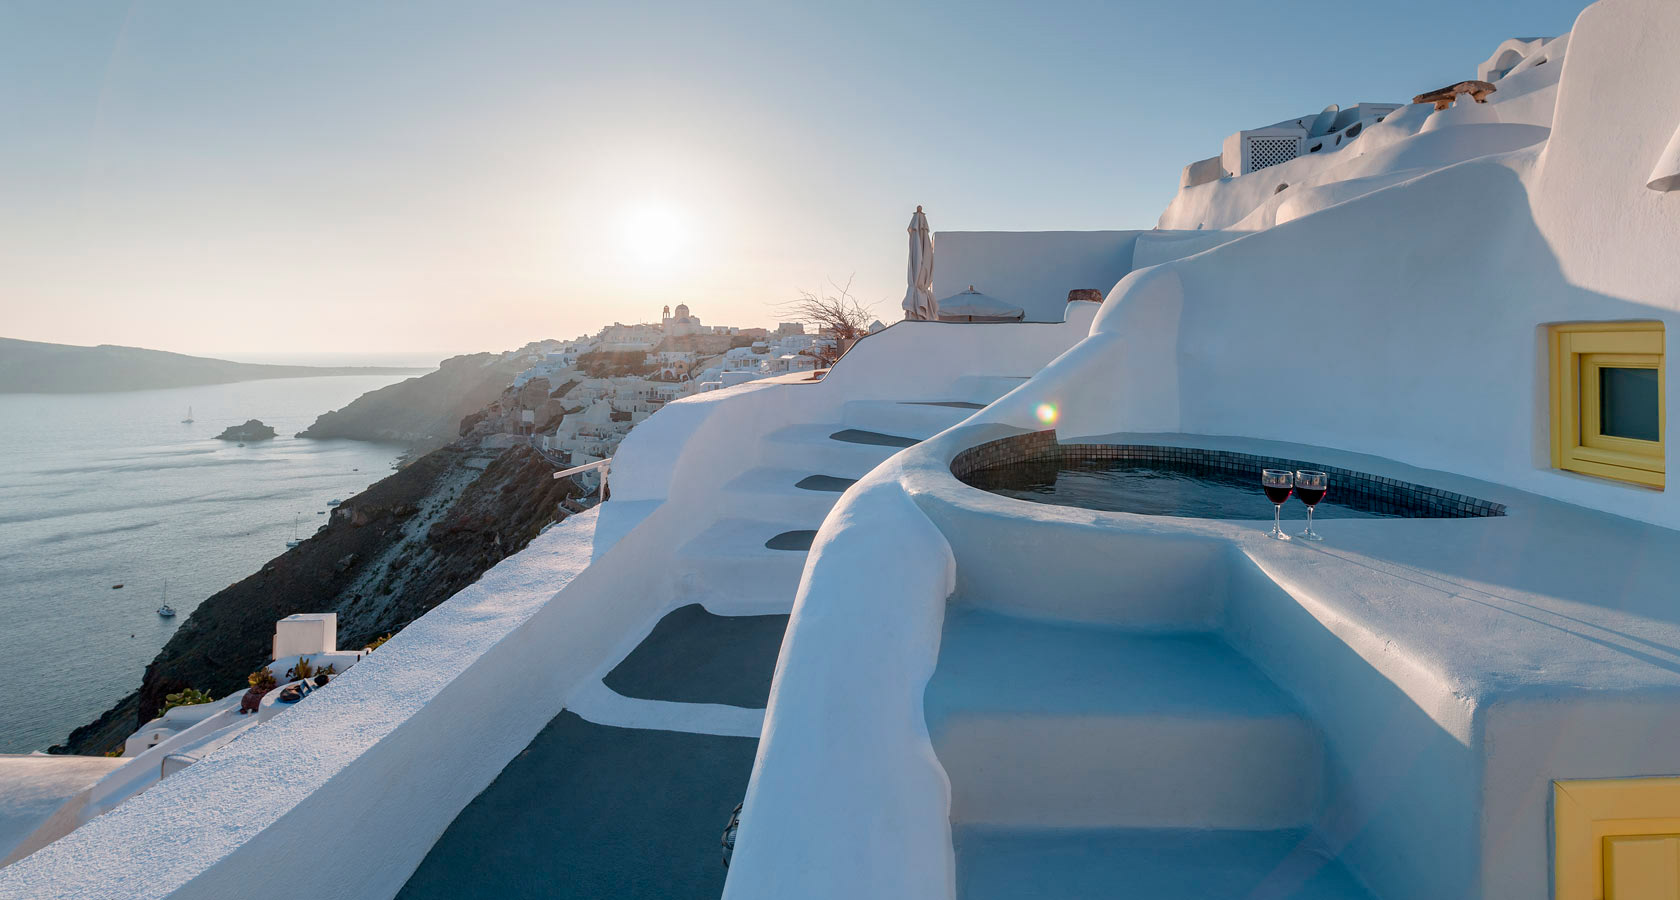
(383, 760)
(342, 796)
(1409, 323)
(1032, 269)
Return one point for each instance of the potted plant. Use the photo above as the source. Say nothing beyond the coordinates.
(262, 681)
(184, 697)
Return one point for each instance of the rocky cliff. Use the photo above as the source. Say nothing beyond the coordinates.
(423, 412)
(385, 557)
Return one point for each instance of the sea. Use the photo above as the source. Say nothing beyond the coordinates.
(101, 490)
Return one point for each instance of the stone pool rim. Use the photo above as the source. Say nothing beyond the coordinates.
(1042, 446)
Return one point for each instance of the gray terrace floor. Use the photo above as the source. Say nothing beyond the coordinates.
(693, 656)
(825, 483)
(873, 438)
(799, 539)
(593, 811)
(597, 811)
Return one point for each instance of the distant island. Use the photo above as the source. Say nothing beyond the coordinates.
(252, 430)
(31, 367)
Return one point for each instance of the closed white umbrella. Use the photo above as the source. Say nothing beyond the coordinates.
(973, 306)
(1666, 176)
(918, 298)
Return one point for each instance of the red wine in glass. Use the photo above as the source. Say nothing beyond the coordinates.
(1311, 486)
(1277, 483)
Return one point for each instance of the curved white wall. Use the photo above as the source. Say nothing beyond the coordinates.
(847, 799)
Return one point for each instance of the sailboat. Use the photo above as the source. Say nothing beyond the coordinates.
(188, 420)
(166, 611)
(294, 541)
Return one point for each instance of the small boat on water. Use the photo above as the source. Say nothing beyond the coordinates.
(116, 587)
(294, 541)
(189, 419)
(334, 502)
(166, 611)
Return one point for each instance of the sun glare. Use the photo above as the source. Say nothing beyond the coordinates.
(654, 236)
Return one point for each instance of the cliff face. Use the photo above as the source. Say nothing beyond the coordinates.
(386, 556)
(424, 412)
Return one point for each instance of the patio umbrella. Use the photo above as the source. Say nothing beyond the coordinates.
(918, 298)
(1666, 176)
(973, 306)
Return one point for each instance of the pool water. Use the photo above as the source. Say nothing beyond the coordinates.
(1163, 489)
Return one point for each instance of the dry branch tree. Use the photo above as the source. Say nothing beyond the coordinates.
(835, 313)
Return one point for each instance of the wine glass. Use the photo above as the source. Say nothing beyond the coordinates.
(1278, 483)
(1311, 486)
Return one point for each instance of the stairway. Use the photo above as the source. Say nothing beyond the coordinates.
(750, 560)
(625, 793)
(1106, 760)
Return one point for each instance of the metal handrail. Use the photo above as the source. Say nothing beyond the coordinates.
(603, 464)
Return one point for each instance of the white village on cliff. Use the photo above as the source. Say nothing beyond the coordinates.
(575, 406)
(1310, 542)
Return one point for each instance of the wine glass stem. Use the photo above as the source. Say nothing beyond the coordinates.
(1309, 519)
(1277, 517)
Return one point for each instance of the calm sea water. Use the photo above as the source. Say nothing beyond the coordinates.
(104, 489)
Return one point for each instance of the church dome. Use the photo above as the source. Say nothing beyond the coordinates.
(682, 311)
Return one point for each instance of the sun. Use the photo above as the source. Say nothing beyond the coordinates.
(654, 235)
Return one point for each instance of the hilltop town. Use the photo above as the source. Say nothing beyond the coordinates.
(576, 399)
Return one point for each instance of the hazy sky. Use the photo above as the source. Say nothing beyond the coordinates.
(269, 177)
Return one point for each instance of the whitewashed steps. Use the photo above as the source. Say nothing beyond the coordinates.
(776, 491)
(1051, 725)
(814, 449)
(916, 419)
(1148, 864)
(982, 389)
(728, 567)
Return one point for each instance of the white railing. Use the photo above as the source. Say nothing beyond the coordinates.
(603, 464)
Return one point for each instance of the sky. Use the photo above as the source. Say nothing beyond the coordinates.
(388, 178)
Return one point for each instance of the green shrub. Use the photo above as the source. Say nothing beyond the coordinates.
(302, 669)
(184, 697)
(376, 642)
(330, 669)
(263, 678)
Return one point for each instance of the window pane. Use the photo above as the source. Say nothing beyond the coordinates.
(1627, 403)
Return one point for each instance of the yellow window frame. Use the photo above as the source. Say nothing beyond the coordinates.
(1616, 838)
(1580, 351)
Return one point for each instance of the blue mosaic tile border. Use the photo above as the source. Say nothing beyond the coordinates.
(1375, 490)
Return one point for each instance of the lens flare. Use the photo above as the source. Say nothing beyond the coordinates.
(1047, 413)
